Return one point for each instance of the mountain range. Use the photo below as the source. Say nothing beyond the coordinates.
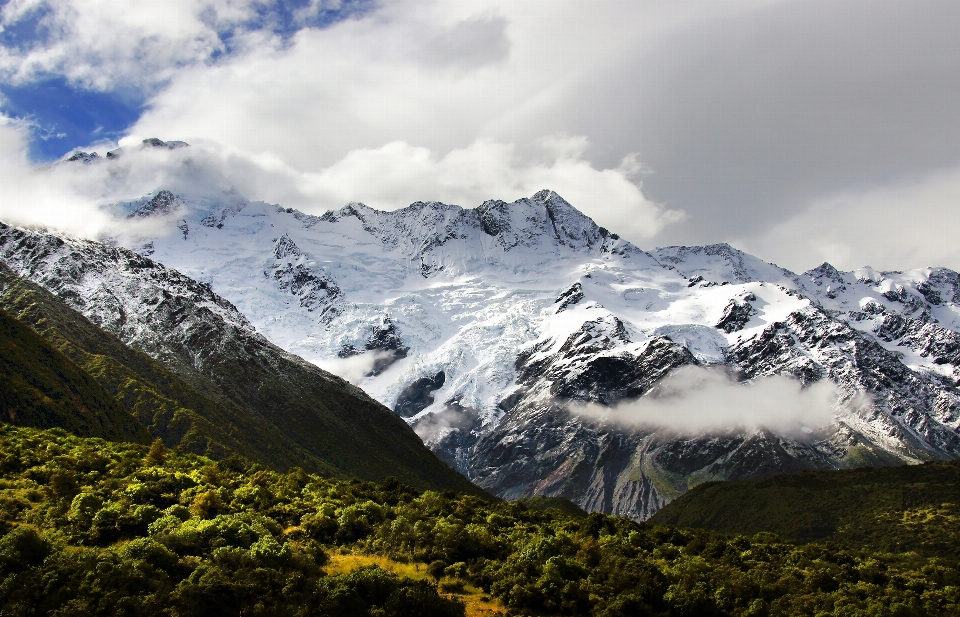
(532, 350)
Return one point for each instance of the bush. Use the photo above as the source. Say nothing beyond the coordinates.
(22, 548)
(191, 537)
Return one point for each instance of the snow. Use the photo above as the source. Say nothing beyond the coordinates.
(469, 289)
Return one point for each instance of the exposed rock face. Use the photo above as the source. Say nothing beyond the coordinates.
(82, 157)
(419, 395)
(737, 313)
(541, 448)
(529, 309)
(295, 273)
(153, 142)
(148, 143)
(569, 297)
(163, 203)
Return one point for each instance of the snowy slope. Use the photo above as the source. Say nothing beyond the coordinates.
(273, 406)
(485, 327)
(466, 289)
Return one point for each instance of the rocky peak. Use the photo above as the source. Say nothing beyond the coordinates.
(161, 204)
(148, 143)
(721, 263)
(285, 247)
(825, 272)
(82, 157)
(545, 218)
(153, 142)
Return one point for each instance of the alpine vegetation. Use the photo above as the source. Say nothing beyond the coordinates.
(105, 528)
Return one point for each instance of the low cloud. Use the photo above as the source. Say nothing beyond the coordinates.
(355, 368)
(57, 198)
(71, 197)
(434, 426)
(695, 400)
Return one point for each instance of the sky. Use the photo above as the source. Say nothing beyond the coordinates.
(801, 131)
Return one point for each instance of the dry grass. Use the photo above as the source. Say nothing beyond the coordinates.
(477, 602)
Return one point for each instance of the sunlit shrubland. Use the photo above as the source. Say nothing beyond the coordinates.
(111, 528)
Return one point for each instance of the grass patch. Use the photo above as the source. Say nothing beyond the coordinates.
(478, 603)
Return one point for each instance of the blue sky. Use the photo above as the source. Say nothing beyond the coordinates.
(64, 117)
(65, 114)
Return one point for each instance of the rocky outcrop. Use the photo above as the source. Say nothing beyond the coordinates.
(164, 203)
(419, 395)
(293, 272)
(737, 313)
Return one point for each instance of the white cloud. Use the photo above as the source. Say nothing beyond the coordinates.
(910, 224)
(35, 197)
(355, 368)
(451, 101)
(695, 400)
(398, 174)
(441, 75)
(387, 178)
(111, 44)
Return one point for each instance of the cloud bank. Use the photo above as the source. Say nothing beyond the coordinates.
(906, 224)
(72, 196)
(355, 368)
(768, 123)
(694, 400)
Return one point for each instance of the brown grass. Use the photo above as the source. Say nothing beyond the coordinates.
(477, 602)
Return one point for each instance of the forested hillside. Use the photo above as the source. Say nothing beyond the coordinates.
(41, 387)
(904, 508)
(104, 528)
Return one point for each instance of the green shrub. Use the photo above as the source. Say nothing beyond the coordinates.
(193, 537)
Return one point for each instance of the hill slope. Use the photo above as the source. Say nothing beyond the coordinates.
(41, 387)
(168, 406)
(906, 508)
(287, 410)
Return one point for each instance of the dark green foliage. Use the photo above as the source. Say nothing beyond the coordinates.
(96, 527)
(905, 508)
(542, 502)
(280, 413)
(185, 536)
(41, 387)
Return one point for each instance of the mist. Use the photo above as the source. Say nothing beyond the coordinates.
(695, 400)
(73, 197)
(355, 368)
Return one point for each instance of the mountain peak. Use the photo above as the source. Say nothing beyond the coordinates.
(824, 271)
(286, 247)
(153, 142)
(528, 221)
(162, 204)
(721, 263)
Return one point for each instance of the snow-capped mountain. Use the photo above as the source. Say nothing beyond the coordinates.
(267, 403)
(486, 328)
